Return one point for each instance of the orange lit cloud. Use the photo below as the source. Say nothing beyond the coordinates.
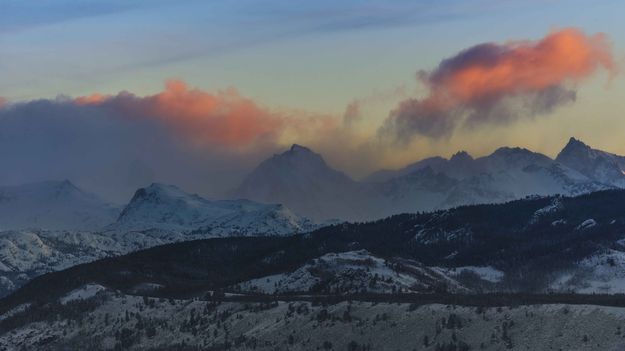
(224, 118)
(494, 83)
(92, 99)
(3, 102)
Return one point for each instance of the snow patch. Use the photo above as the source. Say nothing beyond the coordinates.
(554, 206)
(589, 223)
(15, 310)
(487, 273)
(85, 292)
(6, 283)
(602, 273)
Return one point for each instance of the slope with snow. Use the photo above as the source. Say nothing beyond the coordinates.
(599, 273)
(168, 208)
(118, 321)
(25, 254)
(355, 272)
(83, 293)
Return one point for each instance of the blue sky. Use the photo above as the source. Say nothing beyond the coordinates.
(73, 47)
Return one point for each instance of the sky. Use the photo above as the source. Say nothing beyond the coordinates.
(116, 94)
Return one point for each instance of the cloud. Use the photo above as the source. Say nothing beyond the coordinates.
(208, 141)
(3, 102)
(499, 83)
(113, 144)
(222, 118)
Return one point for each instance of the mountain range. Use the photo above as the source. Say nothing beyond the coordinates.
(298, 182)
(536, 245)
(92, 275)
(60, 205)
(50, 226)
(53, 225)
(301, 180)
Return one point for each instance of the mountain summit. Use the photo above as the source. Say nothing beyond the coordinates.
(602, 166)
(167, 207)
(302, 179)
(301, 150)
(301, 158)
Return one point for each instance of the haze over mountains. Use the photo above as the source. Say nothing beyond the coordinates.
(60, 205)
(298, 183)
(300, 179)
(52, 225)
(53, 205)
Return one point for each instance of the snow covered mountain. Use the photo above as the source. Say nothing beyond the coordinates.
(513, 173)
(168, 208)
(458, 166)
(52, 205)
(300, 179)
(596, 164)
(25, 254)
(504, 175)
(158, 214)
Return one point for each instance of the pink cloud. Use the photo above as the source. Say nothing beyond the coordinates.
(492, 83)
(224, 117)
